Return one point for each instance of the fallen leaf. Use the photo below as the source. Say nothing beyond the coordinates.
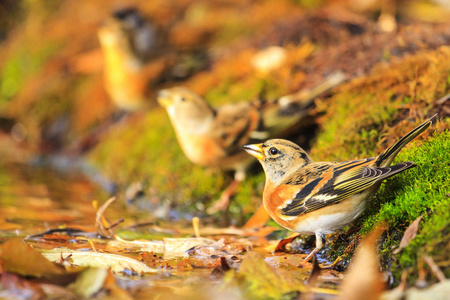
(438, 291)
(222, 247)
(177, 247)
(113, 290)
(410, 234)
(15, 287)
(90, 281)
(117, 263)
(281, 246)
(138, 245)
(221, 269)
(18, 257)
(53, 291)
(259, 218)
(265, 281)
(364, 280)
(286, 260)
(315, 272)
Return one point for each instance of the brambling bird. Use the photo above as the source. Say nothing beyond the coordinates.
(129, 45)
(321, 197)
(213, 137)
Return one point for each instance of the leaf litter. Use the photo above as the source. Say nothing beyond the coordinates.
(236, 259)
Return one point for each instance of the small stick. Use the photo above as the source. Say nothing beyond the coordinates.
(195, 224)
(435, 269)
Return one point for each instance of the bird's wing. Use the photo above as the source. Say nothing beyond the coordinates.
(234, 125)
(338, 183)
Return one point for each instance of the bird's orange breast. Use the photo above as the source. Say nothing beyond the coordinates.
(274, 197)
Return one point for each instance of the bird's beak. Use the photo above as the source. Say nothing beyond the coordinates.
(164, 98)
(255, 150)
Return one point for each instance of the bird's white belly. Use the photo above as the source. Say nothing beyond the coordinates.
(330, 222)
(325, 224)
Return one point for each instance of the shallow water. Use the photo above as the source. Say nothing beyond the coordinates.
(51, 208)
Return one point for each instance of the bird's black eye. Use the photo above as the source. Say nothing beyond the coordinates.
(273, 151)
(182, 99)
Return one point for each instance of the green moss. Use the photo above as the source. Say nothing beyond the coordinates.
(419, 191)
(20, 65)
(422, 190)
(362, 115)
(433, 240)
(412, 193)
(366, 116)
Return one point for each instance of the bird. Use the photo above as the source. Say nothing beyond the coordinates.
(213, 137)
(131, 61)
(318, 198)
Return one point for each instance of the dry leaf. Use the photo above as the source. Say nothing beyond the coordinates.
(266, 281)
(438, 291)
(117, 263)
(177, 247)
(259, 218)
(18, 257)
(138, 245)
(410, 234)
(15, 287)
(90, 281)
(281, 246)
(364, 280)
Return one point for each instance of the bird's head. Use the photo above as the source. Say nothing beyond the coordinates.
(126, 29)
(186, 109)
(279, 157)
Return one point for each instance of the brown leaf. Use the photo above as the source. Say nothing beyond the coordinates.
(281, 246)
(14, 287)
(266, 281)
(364, 280)
(315, 272)
(221, 269)
(20, 258)
(177, 247)
(410, 234)
(259, 218)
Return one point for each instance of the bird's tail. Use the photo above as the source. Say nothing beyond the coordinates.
(287, 111)
(386, 158)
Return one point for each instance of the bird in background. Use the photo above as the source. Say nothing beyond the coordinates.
(213, 137)
(129, 44)
(321, 197)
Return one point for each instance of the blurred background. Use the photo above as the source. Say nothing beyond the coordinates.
(78, 82)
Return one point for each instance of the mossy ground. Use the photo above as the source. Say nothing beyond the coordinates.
(365, 117)
(362, 118)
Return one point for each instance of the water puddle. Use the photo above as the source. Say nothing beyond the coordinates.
(53, 212)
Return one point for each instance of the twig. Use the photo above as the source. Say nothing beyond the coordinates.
(435, 269)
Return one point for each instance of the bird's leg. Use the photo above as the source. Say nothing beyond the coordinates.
(224, 200)
(319, 244)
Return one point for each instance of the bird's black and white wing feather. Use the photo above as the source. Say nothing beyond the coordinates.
(346, 179)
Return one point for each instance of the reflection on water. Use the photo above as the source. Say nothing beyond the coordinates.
(35, 199)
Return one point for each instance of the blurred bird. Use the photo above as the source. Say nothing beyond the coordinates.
(129, 44)
(321, 197)
(213, 137)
